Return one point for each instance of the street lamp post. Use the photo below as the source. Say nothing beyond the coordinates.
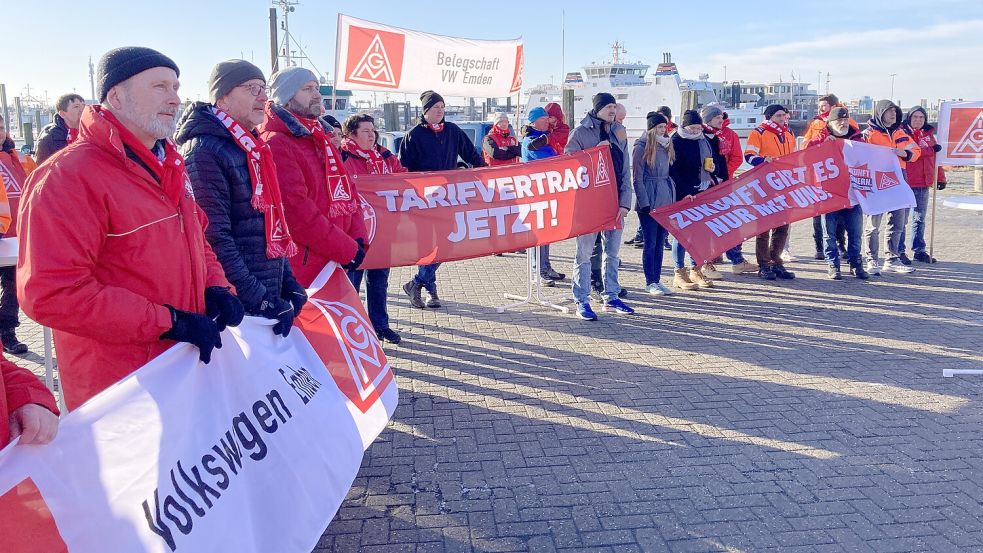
(893, 75)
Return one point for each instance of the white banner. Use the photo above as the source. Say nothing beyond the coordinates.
(961, 133)
(253, 452)
(373, 56)
(877, 181)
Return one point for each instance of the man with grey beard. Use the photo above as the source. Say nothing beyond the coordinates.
(113, 256)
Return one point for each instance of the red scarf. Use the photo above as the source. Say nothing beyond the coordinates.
(342, 193)
(435, 127)
(170, 172)
(505, 135)
(921, 137)
(725, 145)
(266, 187)
(775, 128)
(72, 135)
(373, 159)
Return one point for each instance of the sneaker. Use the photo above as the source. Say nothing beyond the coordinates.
(833, 272)
(820, 256)
(873, 268)
(617, 306)
(585, 312)
(701, 280)
(783, 273)
(711, 272)
(388, 335)
(639, 245)
(744, 267)
(766, 273)
(11, 344)
(623, 293)
(550, 274)
(895, 266)
(434, 301)
(658, 289)
(596, 293)
(905, 260)
(859, 272)
(923, 257)
(667, 246)
(681, 280)
(632, 241)
(413, 290)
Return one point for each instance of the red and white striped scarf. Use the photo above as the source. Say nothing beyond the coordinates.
(340, 189)
(266, 188)
(373, 159)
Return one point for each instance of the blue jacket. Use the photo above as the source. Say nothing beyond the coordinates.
(542, 152)
(237, 233)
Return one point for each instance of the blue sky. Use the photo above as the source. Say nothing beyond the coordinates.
(933, 47)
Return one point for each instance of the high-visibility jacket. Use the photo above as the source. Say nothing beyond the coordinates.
(763, 142)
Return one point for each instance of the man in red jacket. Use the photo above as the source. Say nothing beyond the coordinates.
(26, 405)
(113, 256)
(920, 178)
(319, 197)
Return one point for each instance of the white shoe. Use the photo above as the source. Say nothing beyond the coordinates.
(665, 289)
(896, 266)
(873, 269)
(654, 290)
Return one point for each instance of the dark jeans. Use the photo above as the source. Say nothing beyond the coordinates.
(735, 255)
(544, 259)
(426, 275)
(375, 294)
(653, 235)
(8, 299)
(770, 252)
(851, 220)
(819, 232)
(595, 265)
(918, 217)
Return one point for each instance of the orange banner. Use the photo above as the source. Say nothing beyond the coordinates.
(422, 218)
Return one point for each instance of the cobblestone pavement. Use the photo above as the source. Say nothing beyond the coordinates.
(759, 416)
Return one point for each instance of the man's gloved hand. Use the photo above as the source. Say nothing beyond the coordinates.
(196, 329)
(281, 311)
(223, 307)
(294, 293)
(359, 257)
(937, 148)
(645, 210)
(538, 142)
(940, 186)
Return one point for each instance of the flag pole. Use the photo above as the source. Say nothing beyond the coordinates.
(935, 192)
(337, 53)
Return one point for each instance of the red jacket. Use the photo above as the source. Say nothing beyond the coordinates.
(496, 139)
(13, 176)
(730, 148)
(19, 387)
(102, 250)
(306, 198)
(560, 131)
(919, 170)
(357, 165)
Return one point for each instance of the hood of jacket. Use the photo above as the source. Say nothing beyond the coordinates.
(880, 108)
(554, 110)
(279, 119)
(912, 111)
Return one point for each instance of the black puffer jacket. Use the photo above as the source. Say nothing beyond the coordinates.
(53, 137)
(422, 149)
(236, 231)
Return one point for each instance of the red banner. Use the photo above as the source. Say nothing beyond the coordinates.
(790, 188)
(422, 218)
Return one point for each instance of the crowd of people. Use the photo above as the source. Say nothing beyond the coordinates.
(193, 220)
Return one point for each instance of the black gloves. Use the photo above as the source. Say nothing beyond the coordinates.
(538, 142)
(195, 329)
(224, 308)
(281, 311)
(644, 210)
(940, 186)
(294, 293)
(359, 257)
(937, 148)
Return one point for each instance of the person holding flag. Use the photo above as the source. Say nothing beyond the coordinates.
(920, 179)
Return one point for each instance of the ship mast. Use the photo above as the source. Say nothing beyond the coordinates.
(290, 52)
(617, 49)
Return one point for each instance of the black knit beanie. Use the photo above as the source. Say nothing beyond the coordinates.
(691, 117)
(601, 100)
(229, 74)
(654, 119)
(429, 98)
(773, 109)
(664, 110)
(119, 64)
